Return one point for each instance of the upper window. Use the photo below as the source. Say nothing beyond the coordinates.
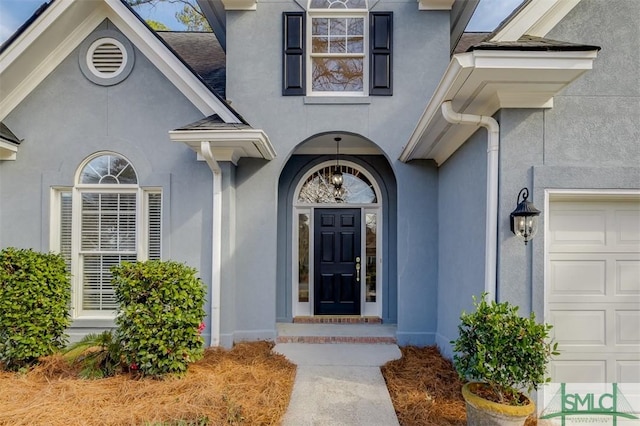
(105, 219)
(337, 47)
(337, 54)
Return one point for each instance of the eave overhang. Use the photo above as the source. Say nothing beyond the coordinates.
(435, 4)
(227, 145)
(8, 150)
(481, 82)
(240, 4)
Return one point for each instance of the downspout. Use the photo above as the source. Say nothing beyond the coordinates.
(491, 227)
(216, 241)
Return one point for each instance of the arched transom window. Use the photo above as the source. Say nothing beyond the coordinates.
(356, 188)
(105, 219)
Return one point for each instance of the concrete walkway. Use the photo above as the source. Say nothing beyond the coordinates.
(339, 384)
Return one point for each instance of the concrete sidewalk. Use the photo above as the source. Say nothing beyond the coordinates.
(339, 384)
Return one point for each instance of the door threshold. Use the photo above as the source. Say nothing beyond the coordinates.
(337, 319)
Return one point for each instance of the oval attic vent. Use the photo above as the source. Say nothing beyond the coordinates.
(106, 58)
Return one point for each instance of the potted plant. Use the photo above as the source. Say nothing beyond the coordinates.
(502, 354)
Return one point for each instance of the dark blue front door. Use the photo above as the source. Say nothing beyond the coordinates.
(336, 259)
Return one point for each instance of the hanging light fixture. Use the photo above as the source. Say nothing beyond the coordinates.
(336, 177)
(524, 219)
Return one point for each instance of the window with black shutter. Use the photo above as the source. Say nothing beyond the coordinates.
(337, 48)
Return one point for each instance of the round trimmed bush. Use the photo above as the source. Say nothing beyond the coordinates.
(161, 308)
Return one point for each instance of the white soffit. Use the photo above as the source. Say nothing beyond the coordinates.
(483, 81)
(240, 4)
(8, 151)
(228, 145)
(63, 26)
(537, 18)
(435, 4)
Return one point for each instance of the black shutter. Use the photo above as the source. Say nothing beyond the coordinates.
(380, 47)
(293, 69)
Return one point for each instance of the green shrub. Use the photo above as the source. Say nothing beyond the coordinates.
(499, 347)
(160, 316)
(35, 292)
(98, 354)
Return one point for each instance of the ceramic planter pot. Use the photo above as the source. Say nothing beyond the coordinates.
(482, 412)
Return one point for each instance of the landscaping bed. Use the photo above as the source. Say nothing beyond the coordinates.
(245, 385)
(425, 389)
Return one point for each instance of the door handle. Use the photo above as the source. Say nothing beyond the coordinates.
(358, 269)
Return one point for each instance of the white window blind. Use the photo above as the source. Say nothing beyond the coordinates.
(154, 203)
(65, 227)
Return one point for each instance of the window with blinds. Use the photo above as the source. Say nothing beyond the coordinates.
(106, 219)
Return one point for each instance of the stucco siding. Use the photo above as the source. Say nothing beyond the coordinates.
(254, 64)
(67, 118)
(462, 199)
(589, 140)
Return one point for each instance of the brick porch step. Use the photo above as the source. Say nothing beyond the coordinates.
(337, 319)
(359, 333)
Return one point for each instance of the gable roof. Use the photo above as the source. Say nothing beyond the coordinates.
(203, 53)
(58, 27)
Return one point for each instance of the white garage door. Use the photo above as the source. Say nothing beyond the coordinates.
(593, 289)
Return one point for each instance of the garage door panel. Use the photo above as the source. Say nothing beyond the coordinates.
(592, 290)
(578, 371)
(578, 227)
(579, 327)
(628, 371)
(578, 277)
(627, 327)
(628, 277)
(627, 227)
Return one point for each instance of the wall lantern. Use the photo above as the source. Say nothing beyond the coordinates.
(337, 178)
(524, 219)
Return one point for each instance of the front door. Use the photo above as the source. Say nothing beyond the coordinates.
(337, 261)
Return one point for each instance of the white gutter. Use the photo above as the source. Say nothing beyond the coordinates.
(491, 227)
(216, 241)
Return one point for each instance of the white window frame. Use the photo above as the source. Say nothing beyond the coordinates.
(141, 223)
(337, 13)
(366, 308)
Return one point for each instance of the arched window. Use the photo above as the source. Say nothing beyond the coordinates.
(356, 187)
(105, 219)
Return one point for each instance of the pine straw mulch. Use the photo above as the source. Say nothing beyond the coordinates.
(245, 385)
(425, 389)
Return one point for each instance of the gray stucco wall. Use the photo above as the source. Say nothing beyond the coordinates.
(254, 66)
(462, 200)
(590, 139)
(67, 118)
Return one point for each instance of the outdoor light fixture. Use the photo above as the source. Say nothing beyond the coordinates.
(524, 219)
(336, 177)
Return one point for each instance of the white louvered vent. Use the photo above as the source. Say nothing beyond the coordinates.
(106, 58)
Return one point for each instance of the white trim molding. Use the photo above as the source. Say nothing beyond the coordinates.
(227, 145)
(8, 151)
(537, 18)
(483, 81)
(435, 4)
(240, 4)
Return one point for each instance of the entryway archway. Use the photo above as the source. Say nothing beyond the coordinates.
(336, 256)
(337, 243)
